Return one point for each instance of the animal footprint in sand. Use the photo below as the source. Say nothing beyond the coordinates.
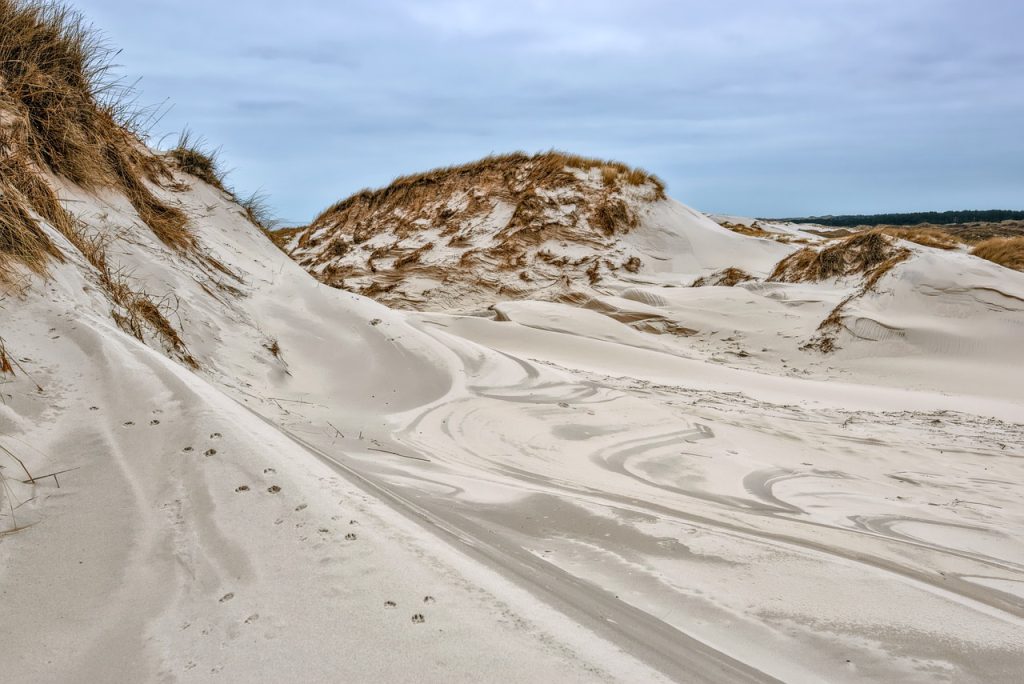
(252, 618)
(129, 423)
(428, 599)
(418, 619)
(94, 408)
(390, 604)
(187, 449)
(351, 536)
(215, 435)
(209, 452)
(227, 597)
(269, 471)
(274, 489)
(242, 488)
(300, 507)
(154, 422)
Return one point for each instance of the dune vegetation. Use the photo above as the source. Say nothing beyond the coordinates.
(62, 114)
(1005, 251)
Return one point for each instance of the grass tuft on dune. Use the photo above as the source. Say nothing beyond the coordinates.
(1005, 251)
(63, 115)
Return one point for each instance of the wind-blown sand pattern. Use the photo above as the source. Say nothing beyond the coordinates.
(580, 499)
(216, 466)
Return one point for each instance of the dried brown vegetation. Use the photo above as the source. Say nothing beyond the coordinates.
(192, 156)
(282, 236)
(755, 230)
(922, 235)
(751, 231)
(517, 171)
(256, 208)
(1005, 251)
(5, 360)
(861, 253)
(963, 233)
(870, 255)
(61, 115)
(62, 118)
(727, 277)
(493, 216)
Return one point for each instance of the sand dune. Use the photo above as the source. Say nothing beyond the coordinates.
(560, 461)
(579, 498)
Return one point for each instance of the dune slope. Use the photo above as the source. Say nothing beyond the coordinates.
(215, 466)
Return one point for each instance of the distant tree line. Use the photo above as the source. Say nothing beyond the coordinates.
(938, 218)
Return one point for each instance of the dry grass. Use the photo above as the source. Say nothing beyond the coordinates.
(168, 223)
(927, 236)
(633, 264)
(750, 231)
(860, 253)
(5, 360)
(612, 215)
(537, 186)
(1005, 251)
(134, 311)
(257, 209)
(727, 277)
(282, 236)
(137, 312)
(755, 230)
(871, 254)
(22, 240)
(60, 113)
(25, 198)
(551, 169)
(192, 156)
(497, 214)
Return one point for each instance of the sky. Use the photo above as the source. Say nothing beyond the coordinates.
(746, 107)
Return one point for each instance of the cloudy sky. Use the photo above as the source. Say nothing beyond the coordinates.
(782, 108)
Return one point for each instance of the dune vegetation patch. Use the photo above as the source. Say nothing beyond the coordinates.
(869, 255)
(541, 220)
(923, 235)
(756, 230)
(1005, 251)
(518, 172)
(727, 277)
(192, 156)
(64, 119)
(752, 230)
(62, 115)
(858, 254)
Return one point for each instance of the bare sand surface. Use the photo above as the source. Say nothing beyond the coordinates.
(343, 492)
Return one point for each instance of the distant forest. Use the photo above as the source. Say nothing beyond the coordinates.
(939, 218)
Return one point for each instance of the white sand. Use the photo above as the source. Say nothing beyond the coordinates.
(581, 500)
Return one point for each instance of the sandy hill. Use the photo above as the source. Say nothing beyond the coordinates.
(531, 238)
(160, 520)
(214, 468)
(549, 226)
